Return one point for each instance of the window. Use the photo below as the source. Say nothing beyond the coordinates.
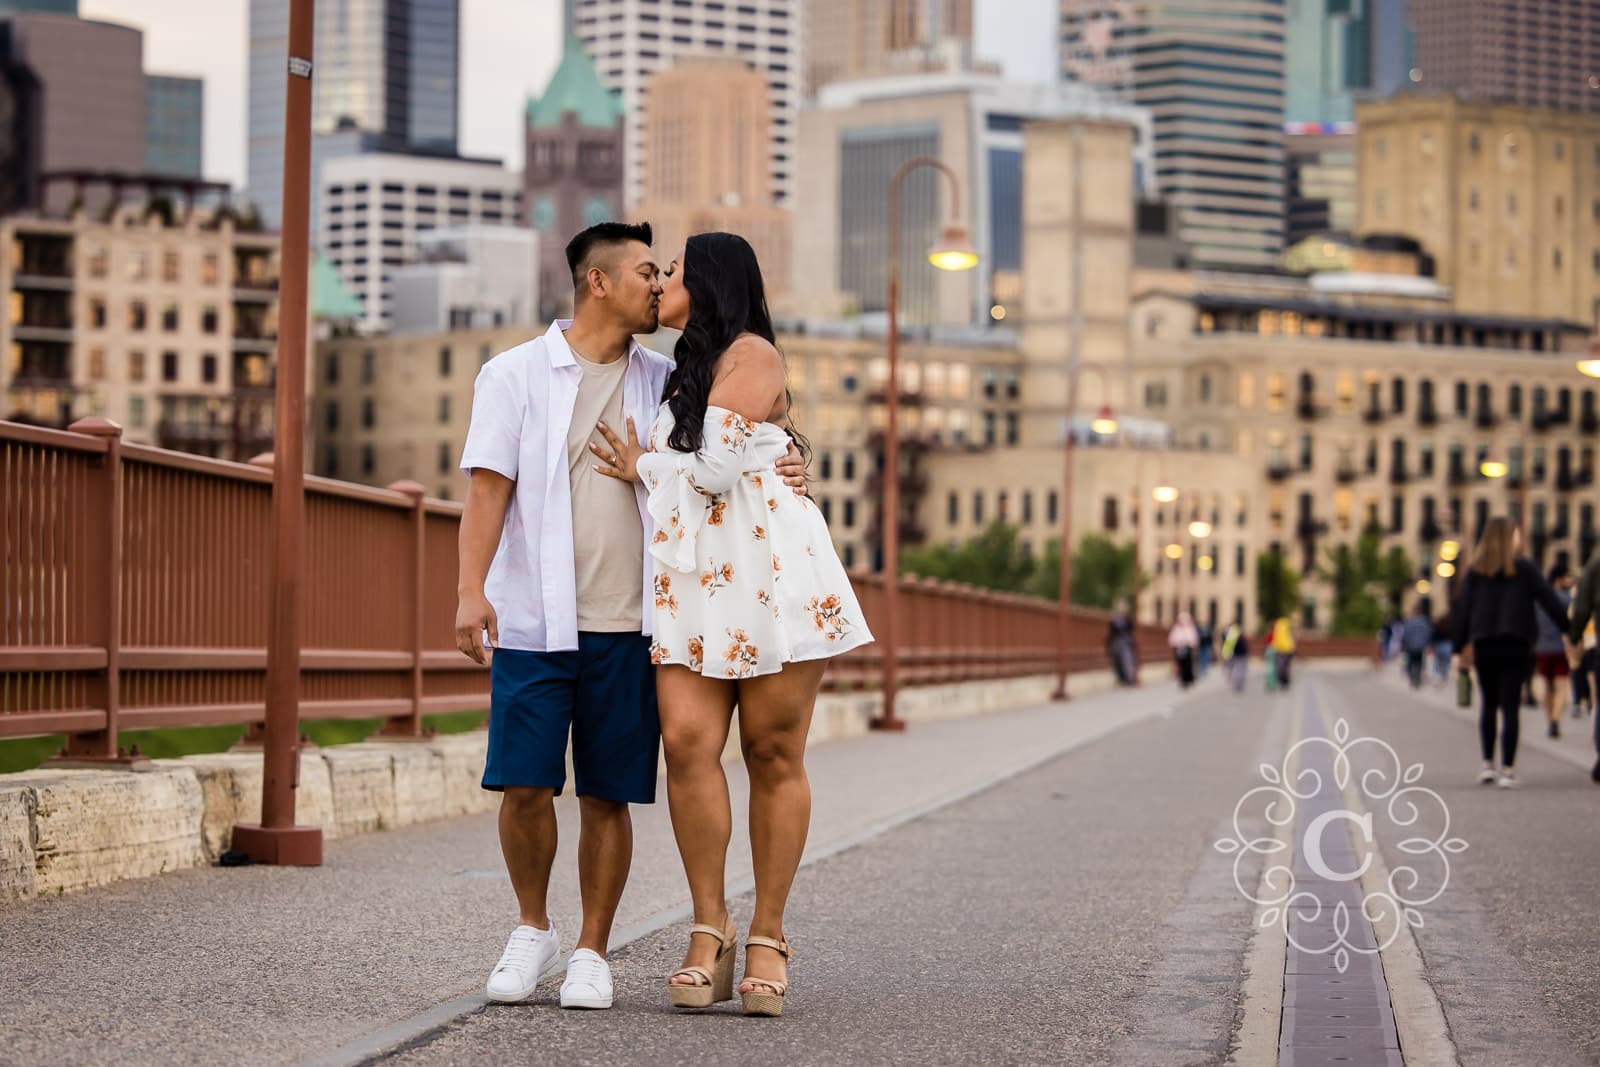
(953, 509)
(849, 513)
(1108, 513)
(137, 315)
(1238, 560)
(99, 262)
(331, 417)
(1052, 507)
(97, 312)
(977, 507)
(444, 457)
(826, 467)
(444, 361)
(1205, 388)
(444, 410)
(169, 317)
(210, 269)
(1397, 395)
(208, 368)
(1514, 402)
(1027, 507)
(849, 466)
(369, 360)
(97, 364)
(169, 366)
(139, 265)
(368, 414)
(208, 318)
(136, 366)
(136, 411)
(366, 461)
(1463, 398)
(169, 266)
(1011, 428)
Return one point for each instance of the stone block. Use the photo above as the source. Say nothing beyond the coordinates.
(97, 827)
(230, 784)
(362, 780)
(418, 781)
(461, 773)
(16, 842)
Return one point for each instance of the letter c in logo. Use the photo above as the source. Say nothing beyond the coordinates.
(1313, 844)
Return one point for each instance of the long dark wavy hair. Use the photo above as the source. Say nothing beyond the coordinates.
(726, 298)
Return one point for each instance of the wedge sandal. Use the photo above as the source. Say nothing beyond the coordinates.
(711, 985)
(769, 1001)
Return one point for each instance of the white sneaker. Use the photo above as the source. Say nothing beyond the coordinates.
(529, 951)
(1486, 776)
(588, 983)
(1508, 780)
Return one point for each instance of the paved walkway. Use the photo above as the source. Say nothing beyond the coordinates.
(1033, 887)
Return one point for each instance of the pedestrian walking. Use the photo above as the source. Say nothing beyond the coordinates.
(1550, 651)
(751, 601)
(1184, 638)
(1206, 647)
(1443, 648)
(1236, 654)
(1122, 647)
(1416, 635)
(1495, 627)
(1580, 631)
(554, 596)
(1283, 647)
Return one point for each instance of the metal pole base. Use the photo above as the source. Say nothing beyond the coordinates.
(288, 846)
(1060, 695)
(888, 724)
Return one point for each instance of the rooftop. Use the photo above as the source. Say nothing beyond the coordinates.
(575, 87)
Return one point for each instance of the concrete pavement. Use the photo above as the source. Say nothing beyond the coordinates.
(1030, 887)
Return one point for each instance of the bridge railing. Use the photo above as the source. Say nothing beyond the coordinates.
(134, 594)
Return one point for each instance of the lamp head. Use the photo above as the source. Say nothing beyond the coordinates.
(1105, 422)
(1493, 468)
(1164, 494)
(954, 251)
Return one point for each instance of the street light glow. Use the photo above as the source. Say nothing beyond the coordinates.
(1493, 468)
(1449, 550)
(1445, 570)
(1423, 586)
(1199, 528)
(1105, 423)
(954, 251)
(1204, 563)
(1164, 494)
(1174, 551)
(1589, 367)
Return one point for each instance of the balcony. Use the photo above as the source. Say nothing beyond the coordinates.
(1307, 407)
(1458, 476)
(912, 483)
(1428, 416)
(1346, 474)
(1589, 422)
(1485, 419)
(1309, 526)
(911, 532)
(1566, 481)
(1373, 415)
(908, 397)
(1278, 470)
(1398, 475)
(1541, 421)
(1430, 531)
(1560, 531)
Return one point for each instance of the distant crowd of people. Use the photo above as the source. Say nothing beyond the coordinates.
(1527, 637)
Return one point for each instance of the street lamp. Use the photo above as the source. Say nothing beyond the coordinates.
(952, 252)
(1199, 529)
(1164, 494)
(1104, 422)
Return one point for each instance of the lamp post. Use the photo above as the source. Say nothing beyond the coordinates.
(1105, 423)
(1161, 493)
(276, 839)
(953, 252)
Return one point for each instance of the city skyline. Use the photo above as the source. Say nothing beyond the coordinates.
(507, 54)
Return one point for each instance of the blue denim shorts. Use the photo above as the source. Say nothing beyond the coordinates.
(603, 695)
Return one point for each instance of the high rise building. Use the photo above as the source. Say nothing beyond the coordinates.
(706, 161)
(374, 205)
(1212, 75)
(466, 278)
(572, 167)
(1506, 199)
(858, 133)
(174, 126)
(629, 40)
(73, 95)
(851, 39)
(1544, 54)
(1320, 160)
(388, 68)
(54, 7)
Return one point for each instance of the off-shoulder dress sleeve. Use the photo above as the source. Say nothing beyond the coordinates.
(683, 485)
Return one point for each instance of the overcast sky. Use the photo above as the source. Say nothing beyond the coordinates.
(508, 50)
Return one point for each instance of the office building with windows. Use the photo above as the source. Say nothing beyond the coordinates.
(629, 40)
(854, 39)
(175, 126)
(373, 206)
(1544, 54)
(385, 68)
(1212, 76)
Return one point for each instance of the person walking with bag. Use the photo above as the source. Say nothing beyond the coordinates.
(1184, 638)
(1495, 617)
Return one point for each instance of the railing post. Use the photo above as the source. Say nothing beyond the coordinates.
(100, 568)
(409, 727)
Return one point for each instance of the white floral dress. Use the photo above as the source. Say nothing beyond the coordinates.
(746, 578)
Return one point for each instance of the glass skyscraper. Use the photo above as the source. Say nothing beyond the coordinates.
(387, 68)
(49, 7)
(174, 117)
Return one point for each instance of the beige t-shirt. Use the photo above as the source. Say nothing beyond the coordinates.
(607, 536)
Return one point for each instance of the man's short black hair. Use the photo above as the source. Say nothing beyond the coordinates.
(602, 235)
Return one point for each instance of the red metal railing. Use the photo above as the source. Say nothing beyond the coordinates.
(134, 594)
